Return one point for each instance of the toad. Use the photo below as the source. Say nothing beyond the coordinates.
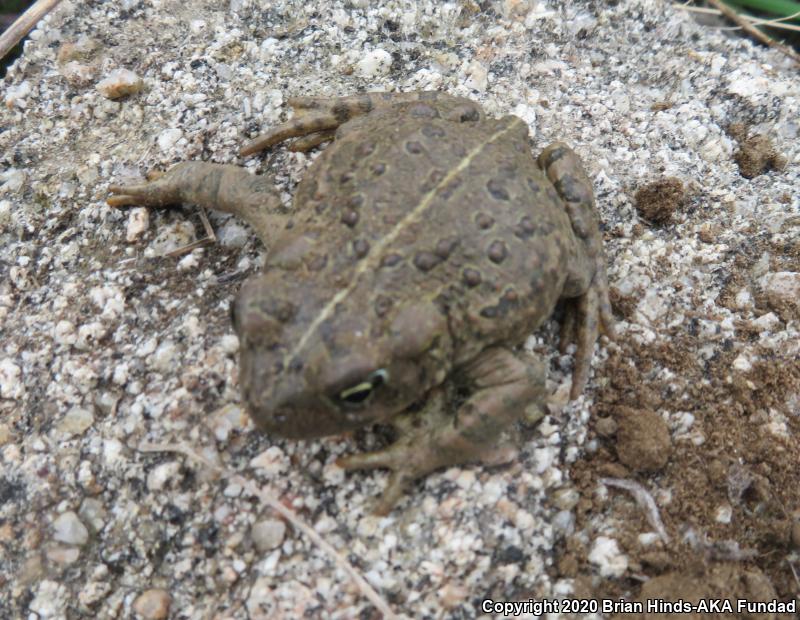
(423, 246)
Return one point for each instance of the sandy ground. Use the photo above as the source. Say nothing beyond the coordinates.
(110, 344)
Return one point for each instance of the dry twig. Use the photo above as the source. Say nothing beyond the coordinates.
(268, 499)
(777, 22)
(645, 501)
(24, 24)
(753, 31)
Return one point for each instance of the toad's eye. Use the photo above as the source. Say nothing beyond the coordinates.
(360, 393)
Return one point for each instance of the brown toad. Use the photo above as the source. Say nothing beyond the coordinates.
(424, 245)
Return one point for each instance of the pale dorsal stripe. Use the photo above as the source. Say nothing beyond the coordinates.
(371, 261)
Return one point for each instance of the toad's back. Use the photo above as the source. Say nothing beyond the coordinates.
(402, 209)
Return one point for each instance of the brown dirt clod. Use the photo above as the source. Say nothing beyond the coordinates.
(657, 201)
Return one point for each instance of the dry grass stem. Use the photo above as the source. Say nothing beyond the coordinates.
(24, 24)
(645, 501)
(753, 31)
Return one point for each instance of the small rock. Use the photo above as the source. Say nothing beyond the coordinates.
(62, 555)
(608, 558)
(161, 474)
(68, 529)
(75, 421)
(64, 333)
(268, 534)
(163, 358)
(606, 427)
(50, 600)
(15, 95)
(643, 439)
(226, 419)
(723, 513)
(377, 62)
(88, 335)
(648, 538)
(270, 462)
(5, 214)
(171, 237)
(13, 180)
(78, 74)
(168, 138)
(93, 592)
(233, 234)
(477, 77)
(10, 384)
(84, 49)
(766, 322)
(153, 604)
(93, 512)
(742, 363)
(119, 83)
(138, 222)
(566, 498)
(782, 292)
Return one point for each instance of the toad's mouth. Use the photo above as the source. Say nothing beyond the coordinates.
(302, 421)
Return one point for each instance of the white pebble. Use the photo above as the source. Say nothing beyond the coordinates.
(88, 335)
(76, 421)
(153, 604)
(160, 475)
(648, 538)
(50, 600)
(13, 180)
(168, 138)
(376, 62)
(10, 384)
(477, 77)
(64, 333)
(271, 461)
(268, 534)
(723, 513)
(15, 95)
(608, 558)
(233, 234)
(63, 555)
(229, 343)
(766, 322)
(67, 528)
(742, 364)
(138, 222)
(163, 359)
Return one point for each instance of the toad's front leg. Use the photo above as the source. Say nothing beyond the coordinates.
(502, 386)
(215, 186)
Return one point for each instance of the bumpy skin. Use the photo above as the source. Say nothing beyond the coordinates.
(424, 244)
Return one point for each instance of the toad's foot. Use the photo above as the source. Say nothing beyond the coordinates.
(317, 118)
(502, 386)
(589, 307)
(215, 186)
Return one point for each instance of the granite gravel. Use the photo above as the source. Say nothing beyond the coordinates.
(107, 343)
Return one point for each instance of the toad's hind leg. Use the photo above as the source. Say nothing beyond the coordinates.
(216, 186)
(587, 284)
(317, 118)
(502, 385)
